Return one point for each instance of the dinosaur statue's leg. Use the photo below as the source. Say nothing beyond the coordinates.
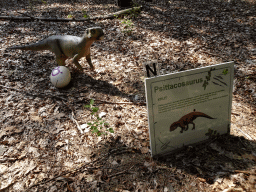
(61, 60)
(60, 56)
(88, 58)
(75, 60)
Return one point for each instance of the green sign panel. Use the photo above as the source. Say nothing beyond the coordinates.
(188, 107)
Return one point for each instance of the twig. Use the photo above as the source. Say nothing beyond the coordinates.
(245, 172)
(238, 171)
(75, 121)
(72, 117)
(7, 187)
(109, 16)
(245, 134)
(119, 173)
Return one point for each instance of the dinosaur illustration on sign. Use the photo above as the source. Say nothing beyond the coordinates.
(187, 119)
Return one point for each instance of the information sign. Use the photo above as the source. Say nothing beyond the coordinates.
(188, 107)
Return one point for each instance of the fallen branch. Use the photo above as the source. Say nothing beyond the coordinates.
(75, 121)
(245, 134)
(109, 16)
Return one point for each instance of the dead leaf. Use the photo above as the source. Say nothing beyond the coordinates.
(36, 118)
(60, 144)
(144, 150)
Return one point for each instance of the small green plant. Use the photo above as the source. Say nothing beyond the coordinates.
(85, 14)
(135, 4)
(127, 16)
(135, 12)
(127, 26)
(98, 126)
(70, 16)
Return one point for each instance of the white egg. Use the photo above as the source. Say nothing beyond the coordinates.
(60, 76)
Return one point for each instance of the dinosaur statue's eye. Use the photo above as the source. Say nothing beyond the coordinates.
(92, 31)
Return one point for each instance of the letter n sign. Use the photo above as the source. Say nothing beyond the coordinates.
(151, 68)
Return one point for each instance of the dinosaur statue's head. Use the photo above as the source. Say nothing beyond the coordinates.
(174, 126)
(95, 33)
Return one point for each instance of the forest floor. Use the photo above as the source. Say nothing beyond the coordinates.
(45, 143)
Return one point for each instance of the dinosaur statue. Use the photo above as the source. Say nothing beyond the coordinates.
(68, 46)
(187, 119)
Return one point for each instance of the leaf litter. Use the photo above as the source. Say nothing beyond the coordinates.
(43, 149)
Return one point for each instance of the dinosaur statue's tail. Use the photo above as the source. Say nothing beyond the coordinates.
(34, 47)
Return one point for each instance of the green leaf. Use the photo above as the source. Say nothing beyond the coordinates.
(89, 123)
(95, 130)
(95, 109)
(87, 106)
(111, 130)
(86, 16)
(91, 102)
(106, 124)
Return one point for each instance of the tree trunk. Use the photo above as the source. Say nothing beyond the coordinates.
(124, 3)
